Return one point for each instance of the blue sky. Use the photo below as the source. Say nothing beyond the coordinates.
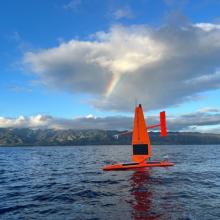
(31, 26)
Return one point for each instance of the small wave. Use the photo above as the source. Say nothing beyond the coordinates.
(16, 207)
(92, 194)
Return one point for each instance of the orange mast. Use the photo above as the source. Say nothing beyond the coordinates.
(140, 137)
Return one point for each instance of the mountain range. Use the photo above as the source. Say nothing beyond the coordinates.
(50, 137)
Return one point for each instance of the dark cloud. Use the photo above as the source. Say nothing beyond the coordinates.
(161, 67)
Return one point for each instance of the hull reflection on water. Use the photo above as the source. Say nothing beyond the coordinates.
(141, 205)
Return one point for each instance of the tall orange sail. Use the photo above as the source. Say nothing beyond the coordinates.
(140, 137)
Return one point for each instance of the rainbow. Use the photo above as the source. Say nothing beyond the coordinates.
(113, 83)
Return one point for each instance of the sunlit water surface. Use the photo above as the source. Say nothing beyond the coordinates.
(68, 183)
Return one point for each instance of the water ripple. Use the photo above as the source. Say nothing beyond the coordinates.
(68, 183)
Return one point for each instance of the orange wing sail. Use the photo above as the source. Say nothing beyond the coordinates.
(140, 137)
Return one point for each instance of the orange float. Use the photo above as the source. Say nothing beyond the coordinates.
(141, 143)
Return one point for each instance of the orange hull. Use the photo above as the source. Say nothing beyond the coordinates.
(127, 166)
(141, 143)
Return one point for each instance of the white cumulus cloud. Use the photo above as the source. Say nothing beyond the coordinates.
(208, 26)
(204, 120)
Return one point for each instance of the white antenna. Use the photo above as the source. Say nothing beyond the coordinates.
(135, 102)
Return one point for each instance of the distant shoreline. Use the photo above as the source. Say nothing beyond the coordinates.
(15, 146)
(15, 137)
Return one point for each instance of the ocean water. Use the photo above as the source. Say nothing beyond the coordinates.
(68, 183)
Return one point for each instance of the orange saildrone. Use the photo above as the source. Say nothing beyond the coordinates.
(141, 143)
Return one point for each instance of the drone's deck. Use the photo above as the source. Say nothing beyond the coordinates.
(126, 166)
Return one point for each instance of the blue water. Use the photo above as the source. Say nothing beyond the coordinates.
(68, 183)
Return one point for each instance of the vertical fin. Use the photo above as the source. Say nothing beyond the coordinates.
(163, 126)
(140, 137)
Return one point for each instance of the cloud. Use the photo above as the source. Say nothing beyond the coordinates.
(49, 122)
(37, 121)
(19, 89)
(198, 121)
(209, 109)
(208, 26)
(22, 45)
(72, 5)
(180, 4)
(161, 67)
(122, 13)
(204, 121)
